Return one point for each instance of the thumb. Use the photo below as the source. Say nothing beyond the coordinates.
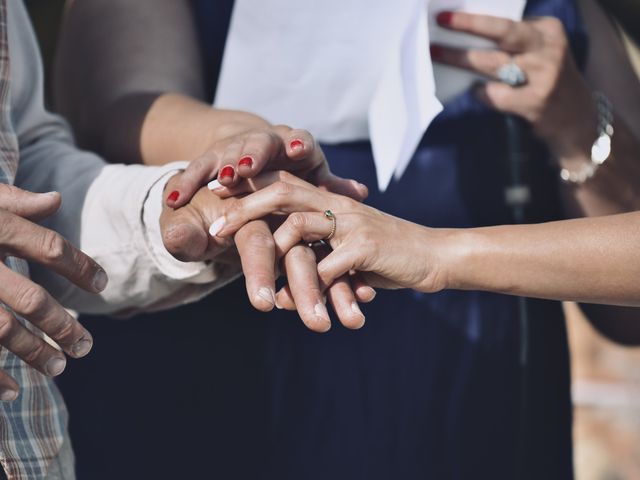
(33, 206)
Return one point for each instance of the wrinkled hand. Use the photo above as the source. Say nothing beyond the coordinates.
(186, 236)
(21, 238)
(247, 154)
(556, 100)
(390, 252)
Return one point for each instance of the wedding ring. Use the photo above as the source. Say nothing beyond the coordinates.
(329, 214)
(512, 74)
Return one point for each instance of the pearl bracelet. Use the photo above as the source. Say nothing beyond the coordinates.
(601, 148)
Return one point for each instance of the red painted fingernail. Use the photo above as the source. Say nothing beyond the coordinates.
(227, 172)
(436, 51)
(296, 144)
(173, 196)
(246, 162)
(444, 18)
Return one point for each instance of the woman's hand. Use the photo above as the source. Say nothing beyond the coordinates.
(185, 235)
(247, 154)
(390, 252)
(556, 100)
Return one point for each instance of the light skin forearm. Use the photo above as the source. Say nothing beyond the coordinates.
(586, 260)
(177, 126)
(144, 101)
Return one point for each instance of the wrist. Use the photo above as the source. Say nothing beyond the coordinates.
(465, 258)
(440, 251)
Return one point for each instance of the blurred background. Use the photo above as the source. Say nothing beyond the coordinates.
(606, 377)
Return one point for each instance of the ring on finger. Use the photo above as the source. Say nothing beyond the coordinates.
(329, 214)
(511, 74)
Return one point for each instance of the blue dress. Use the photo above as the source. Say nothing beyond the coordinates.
(429, 389)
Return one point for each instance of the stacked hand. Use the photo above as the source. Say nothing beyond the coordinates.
(275, 219)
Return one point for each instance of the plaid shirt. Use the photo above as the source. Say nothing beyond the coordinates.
(32, 427)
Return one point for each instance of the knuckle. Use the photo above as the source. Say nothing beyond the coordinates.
(298, 221)
(285, 176)
(200, 163)
(174, 238)
(171, 238)
(63, 332)
(6, 226)
(282, 188)
(282, 129)
(54, 247)
(85, 267)
(345, 204)
(302, 133)
(258, 240)
(264, 136)
(35, 353)
(301, 253)
(552, 26)
(7, 324)
(31, 300)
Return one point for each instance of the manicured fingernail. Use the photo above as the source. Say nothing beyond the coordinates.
(82, 347)
(323, 316)
(55, 366)
(227, 171)
(267, 295)
(373, 292)
(444, 18)
(296, 144)
(173, 196)
(8, 395)
(100, 280)
(216, 226)
(246, 162)
(436, 51)
(214, 185)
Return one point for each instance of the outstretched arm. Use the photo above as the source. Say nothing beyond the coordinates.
(593, 260)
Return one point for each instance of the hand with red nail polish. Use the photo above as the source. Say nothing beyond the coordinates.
(189, 233)
(554, 97)
(244, 155)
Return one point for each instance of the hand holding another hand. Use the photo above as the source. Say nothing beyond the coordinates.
(186, 236)
(388, 252)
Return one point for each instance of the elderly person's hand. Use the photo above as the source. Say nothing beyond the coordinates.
(186, 236)
(555, 98)
(390, 252)
(246, 154)
(22, 238)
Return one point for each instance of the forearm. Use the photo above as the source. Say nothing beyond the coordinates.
(585, 260)
(180, 127)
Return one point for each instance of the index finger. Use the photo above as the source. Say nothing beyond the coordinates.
(279, 197)
(27, 240)
(509, 35)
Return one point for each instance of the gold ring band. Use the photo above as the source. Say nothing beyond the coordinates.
(329, 214)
